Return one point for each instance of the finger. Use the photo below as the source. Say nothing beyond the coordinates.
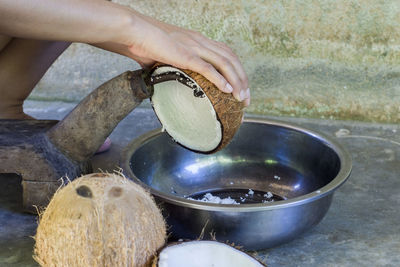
(226, 51)
(206, 69)
(247, 102)
(225, 67)
(248, 96)
(234, 61)
(145, 63)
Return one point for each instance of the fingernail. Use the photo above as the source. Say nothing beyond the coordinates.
(237, 97)
(248, 93)
(242, 95)
(228, 88)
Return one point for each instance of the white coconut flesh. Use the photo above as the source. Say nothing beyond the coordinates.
(204, 254)
(190, 120)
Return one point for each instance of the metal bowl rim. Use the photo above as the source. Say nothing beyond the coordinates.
(341, 177)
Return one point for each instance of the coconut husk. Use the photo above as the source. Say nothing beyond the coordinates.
(100, 220)
(229, 111)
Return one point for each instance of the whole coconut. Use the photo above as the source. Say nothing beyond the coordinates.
(99, 220)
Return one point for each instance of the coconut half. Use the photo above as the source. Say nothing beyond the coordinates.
(193, 111)
(204, 254)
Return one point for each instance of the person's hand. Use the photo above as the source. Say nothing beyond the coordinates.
(153, 41)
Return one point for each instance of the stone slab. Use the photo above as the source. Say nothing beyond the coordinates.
(360, 229)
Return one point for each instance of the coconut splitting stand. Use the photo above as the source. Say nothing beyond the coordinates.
(43, 151)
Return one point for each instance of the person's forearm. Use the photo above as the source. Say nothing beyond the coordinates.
(122, 30)
(88, 21)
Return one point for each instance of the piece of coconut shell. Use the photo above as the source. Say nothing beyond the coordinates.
(156, 258)
(100, 219)
(229, 111)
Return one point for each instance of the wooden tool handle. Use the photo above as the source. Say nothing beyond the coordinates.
(85, 128)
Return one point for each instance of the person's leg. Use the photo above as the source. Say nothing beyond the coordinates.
(22, 64)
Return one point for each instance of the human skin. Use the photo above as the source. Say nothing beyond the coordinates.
(38, 31)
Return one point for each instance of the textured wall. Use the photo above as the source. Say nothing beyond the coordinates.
(316, 58)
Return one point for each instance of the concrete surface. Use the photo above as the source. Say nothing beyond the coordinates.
(361, 228)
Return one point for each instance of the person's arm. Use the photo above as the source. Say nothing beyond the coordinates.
(125, 31)
(64, 20)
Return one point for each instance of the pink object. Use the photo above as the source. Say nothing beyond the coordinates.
(105, 146)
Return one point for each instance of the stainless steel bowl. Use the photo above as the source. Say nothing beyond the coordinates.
(301, 168)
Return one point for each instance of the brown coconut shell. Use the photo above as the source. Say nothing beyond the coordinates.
(229, 111)
(100, 220)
